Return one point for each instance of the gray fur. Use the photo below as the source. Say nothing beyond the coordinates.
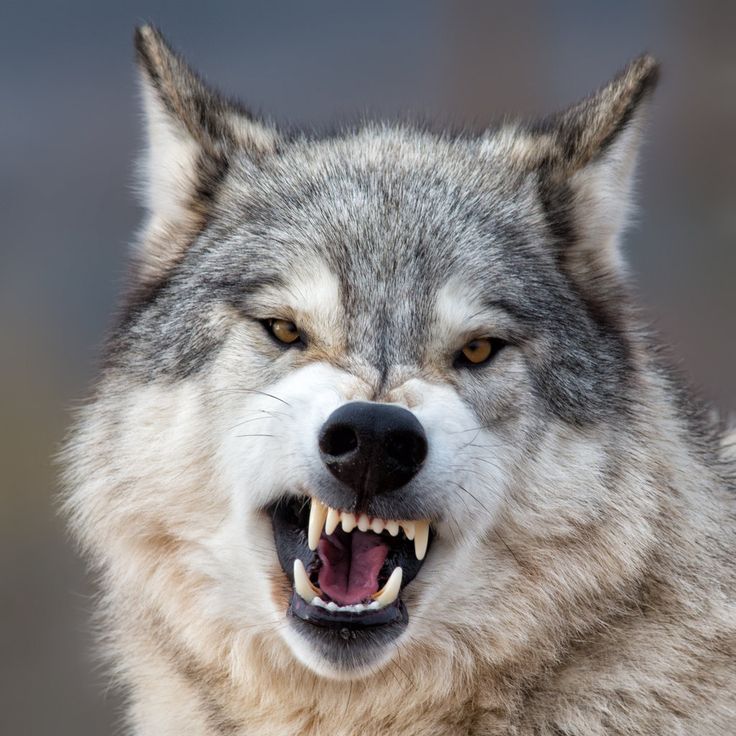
(628, 543)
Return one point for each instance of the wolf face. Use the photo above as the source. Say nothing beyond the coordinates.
(365, 388)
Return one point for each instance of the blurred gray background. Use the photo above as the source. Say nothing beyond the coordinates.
(69, 132)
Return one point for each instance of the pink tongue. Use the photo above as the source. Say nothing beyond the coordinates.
(350, 565)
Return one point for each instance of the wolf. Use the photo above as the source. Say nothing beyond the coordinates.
(381, 443)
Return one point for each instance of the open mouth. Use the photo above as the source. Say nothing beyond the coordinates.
(347, 571)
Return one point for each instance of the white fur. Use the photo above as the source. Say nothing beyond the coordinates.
(169, 163)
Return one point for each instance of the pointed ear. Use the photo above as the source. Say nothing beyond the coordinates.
(193, 134)
(585, 159)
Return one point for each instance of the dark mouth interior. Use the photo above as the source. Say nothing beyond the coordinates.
(347, 567)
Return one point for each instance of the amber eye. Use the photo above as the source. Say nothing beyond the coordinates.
(283, 330)
(477, 351)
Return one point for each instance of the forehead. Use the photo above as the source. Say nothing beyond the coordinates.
(388, 214)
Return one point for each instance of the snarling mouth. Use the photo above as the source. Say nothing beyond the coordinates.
(347, 571)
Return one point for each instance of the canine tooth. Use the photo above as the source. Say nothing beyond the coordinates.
(317, 516)
(377, 525)
(333, 519)
(392, 527)
(302, 583)
(409, 529)
(363, 523)
(390, 591)
(421, 539)
(348, 522)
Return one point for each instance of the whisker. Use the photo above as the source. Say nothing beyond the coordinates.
(473, 443)
(268, 415)
(475, 498)
(462, 499)
(471, 429)
(511, 552)
(249, 391)
(403, 672)
(473, 471)
(470, 443)
(347, 703)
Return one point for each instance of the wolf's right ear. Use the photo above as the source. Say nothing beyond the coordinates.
(193, 132)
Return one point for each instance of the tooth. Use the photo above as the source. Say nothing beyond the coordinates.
(421, 539)
(392, 527)
(390, 591)
(302, 583)
(348, 522)
(409, 529)
(363, 523)
(377, 525)
(333, 519)
(317, 516)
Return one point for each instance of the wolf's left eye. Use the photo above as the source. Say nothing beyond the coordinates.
(283, 330)
(477, 352)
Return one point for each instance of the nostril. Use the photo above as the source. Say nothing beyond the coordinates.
(407, 447)
(337, 440)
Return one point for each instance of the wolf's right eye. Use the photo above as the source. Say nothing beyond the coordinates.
(283, 330)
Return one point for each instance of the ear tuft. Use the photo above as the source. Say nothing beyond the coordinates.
(586, 130)
(210, 119)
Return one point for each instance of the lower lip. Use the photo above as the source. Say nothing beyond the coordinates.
(318, 616)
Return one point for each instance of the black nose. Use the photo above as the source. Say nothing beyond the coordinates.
(372, 448)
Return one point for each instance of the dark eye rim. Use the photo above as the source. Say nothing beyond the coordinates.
(461, 362)
(267, 325)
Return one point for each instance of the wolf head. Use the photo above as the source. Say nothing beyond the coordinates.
(383, 350)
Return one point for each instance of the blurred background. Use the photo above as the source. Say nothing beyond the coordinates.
(70, 129)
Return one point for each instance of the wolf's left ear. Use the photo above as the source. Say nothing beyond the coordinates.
(585, 159)
(193, 133)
